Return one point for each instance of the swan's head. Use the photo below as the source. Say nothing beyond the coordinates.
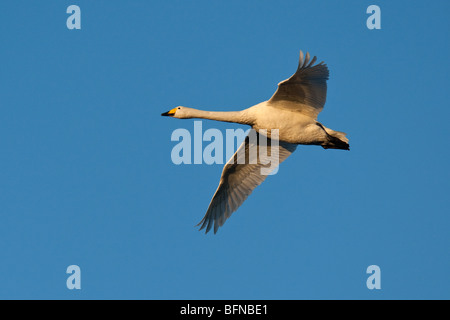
(178, 112)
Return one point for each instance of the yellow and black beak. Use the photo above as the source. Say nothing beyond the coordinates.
(169, 113)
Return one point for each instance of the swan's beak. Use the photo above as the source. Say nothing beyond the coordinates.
(169, 113)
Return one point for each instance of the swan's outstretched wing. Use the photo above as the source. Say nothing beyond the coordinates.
(246, 170)
(306, 90)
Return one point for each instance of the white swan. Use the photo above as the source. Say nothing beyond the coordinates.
(293, 110)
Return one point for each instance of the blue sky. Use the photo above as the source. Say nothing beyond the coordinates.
(87, 178)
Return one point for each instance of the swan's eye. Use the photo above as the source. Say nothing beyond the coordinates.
(179, 108)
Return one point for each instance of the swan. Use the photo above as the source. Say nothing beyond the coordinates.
(293, 110)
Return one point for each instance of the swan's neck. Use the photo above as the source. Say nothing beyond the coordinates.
(242, 117)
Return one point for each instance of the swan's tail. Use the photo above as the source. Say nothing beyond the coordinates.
(336, 140)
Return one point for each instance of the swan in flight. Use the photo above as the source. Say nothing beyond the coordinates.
(291, 113)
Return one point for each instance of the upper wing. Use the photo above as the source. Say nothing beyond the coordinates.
(306, 90)
(246, 170)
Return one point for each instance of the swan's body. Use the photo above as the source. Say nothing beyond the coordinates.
(293, 110)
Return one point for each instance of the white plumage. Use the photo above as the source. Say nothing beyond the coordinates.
(293, 110)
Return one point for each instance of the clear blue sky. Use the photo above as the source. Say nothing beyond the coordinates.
(86, 176)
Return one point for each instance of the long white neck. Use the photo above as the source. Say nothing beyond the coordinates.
(242, 117)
